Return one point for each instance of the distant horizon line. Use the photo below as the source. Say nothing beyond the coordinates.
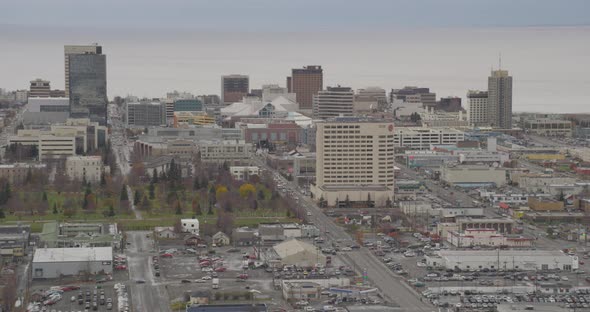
(304, 30)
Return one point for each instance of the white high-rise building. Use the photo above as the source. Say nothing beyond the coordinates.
(477, 108)
(354, 161)
(333, 102)
(500, 99)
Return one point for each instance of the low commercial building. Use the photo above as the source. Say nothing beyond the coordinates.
(457, 212)
(265, 132)
(243, 172)
(527, 260)
(545, 204)
(474, 176)
(145, 114)
(502, 225)
(85, 168)
(48, 104)
(14, 241)
(421, 138)
(225, 151)
(17, 173)
(242, 307)
(486, 238)
(301, 290)
(429, 159)
(182, 119)
(55, 235)
(244, 236)
(295, 252)
(543, 183)
(58, 262)
(414, 208)
(549, 127)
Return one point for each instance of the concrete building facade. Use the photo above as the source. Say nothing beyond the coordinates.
(422, 138)
(57, 262)
(145, 114)
(234, 88)
(85, 168)
(333, 102)
(354, 160)
(477, 108)
(40, 88)
(500, 99)
(473, 175)
(305, 83)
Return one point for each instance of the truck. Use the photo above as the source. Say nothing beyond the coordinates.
(215, 283)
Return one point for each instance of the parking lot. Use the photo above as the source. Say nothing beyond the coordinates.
(92, 297)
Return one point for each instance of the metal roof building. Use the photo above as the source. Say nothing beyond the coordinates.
(56, 262)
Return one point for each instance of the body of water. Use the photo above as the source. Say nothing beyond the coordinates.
(550, 65)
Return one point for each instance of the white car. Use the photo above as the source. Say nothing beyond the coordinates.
(308, 213)
(207, 269)
(346, 249)
(206, 278)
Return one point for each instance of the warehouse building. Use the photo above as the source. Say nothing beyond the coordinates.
(474, 176)
(56, 262)
(526, 260)
(296, 252)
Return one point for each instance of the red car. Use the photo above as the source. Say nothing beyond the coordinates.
(167, 255)
(121, 267)
(220, 269)
(205, 263)
(243, 276)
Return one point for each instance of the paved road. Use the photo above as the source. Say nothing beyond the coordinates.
(382, 277)
(151, 296)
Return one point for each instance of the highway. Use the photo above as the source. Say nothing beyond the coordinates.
(391, 285)
(151, 295)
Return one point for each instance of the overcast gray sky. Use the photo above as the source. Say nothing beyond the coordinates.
(289, 15)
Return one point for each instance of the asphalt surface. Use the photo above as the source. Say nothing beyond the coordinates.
(151, 295)
(391, 286)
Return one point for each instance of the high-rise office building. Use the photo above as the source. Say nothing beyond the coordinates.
(370, 99)
(40, 88)
(333, 102)
(86, 82)
(305, 83)
(354, 161)
(146, 114)
(449, 104)
(414, 95)
(234, 88)
(477, 108)
(77, 49)
(500, 99)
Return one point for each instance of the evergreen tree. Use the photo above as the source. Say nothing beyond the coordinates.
(103, 180)
(54, 208)
(178, 209)
(388, 202)
(136, 197)
(155, 176)
(2, 215)
(111, 212)
(347, 201)
(196, 184)
(152, 191)
(29, 177)
(260, 195)
(255, 204)
(7, 191)
(210, 212)
(44, 196)
(124, 195)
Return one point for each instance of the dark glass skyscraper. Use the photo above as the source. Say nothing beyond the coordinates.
(87, 74)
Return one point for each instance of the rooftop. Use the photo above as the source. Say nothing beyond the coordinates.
(43, 255)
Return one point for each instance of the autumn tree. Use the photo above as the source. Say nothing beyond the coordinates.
(246, 190)
(219, 191)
